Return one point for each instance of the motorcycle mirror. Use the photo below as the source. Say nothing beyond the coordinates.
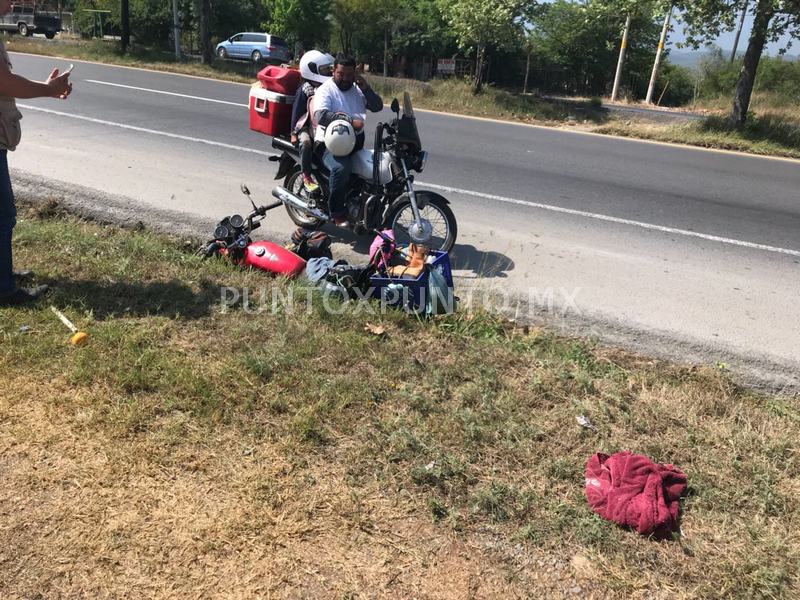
(395, 107)
(245, 190)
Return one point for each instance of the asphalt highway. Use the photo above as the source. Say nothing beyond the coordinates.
(678, 251)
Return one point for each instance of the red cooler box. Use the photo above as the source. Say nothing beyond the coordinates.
(271, 100)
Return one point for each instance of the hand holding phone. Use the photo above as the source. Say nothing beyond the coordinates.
(59, 84)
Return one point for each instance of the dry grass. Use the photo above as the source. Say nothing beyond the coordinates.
(769, 134)
(762, 103)
(191, 452)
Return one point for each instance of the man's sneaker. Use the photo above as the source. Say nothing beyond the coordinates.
(23, 275)
(23, 295)
(310, 185)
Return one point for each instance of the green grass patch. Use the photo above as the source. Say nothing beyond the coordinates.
(299, 429)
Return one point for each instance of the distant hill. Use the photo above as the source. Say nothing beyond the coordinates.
(685, 58)
(690, 58)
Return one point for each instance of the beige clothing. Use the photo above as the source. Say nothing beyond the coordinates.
(10, 130)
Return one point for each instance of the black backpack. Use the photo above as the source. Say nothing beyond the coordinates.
(309, 243)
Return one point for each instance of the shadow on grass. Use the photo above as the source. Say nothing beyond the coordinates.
(765, 128)
(105, 300)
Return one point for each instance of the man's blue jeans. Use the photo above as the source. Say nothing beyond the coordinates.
(340, 168)
(8, 218)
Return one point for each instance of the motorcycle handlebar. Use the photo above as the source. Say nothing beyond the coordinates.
(262, 210)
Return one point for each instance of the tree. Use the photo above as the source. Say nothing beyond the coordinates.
(125, 18)
(706, 19)
(204, 13)
(577, 45)
(303, 21)
(423, 31)
(480, 25)
(384, 14)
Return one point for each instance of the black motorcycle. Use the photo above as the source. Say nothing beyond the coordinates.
(381, 191)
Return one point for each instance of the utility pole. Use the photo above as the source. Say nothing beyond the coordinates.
(527, 72)
(176, 28)
(622, 49)
(739, 30)
(659, 52)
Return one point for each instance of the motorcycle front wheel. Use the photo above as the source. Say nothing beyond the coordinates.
(294, 184)
(436, 211)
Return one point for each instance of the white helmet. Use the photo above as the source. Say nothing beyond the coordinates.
(340, 137)
(316, 66)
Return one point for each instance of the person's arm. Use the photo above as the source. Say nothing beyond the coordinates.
(372, 99)
(16, 86)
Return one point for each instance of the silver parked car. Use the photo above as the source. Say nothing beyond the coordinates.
(254, 46)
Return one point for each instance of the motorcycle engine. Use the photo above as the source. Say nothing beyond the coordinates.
(354, 209)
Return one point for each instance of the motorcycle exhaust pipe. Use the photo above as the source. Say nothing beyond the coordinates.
(290, 199)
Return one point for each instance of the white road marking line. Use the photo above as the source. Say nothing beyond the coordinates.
(152, 91)
(599, 217)
(176, 136)
(537, 205)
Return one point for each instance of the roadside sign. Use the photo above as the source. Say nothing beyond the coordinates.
(446, 66)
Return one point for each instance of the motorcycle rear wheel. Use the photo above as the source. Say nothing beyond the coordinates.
(294, 184)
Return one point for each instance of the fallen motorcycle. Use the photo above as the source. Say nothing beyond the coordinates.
(232, 240)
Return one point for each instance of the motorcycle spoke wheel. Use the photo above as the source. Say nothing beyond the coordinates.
(440, 227)
(295, 185)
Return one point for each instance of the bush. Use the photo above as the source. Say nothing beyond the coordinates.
(717, 76)
(679, 83)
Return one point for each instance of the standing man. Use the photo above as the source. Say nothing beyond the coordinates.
(11, 87)
(339, 98)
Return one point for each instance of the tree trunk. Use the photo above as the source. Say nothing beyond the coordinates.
(527, 72)
(206, 51)
(125, 18)
(385, 51)
(477, 83)
(747, 76)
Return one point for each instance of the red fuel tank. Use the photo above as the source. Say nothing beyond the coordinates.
(273, 258)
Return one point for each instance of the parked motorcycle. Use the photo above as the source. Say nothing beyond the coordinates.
(381, 191)
(232, 240)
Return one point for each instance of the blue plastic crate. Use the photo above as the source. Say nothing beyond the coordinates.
(410, 293)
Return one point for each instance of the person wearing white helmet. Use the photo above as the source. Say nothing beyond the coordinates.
(316, 68)
(340, 105)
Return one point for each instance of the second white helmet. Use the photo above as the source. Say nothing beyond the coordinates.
(316, 66)
(340, 137)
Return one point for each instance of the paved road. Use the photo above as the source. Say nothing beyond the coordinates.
(664, 248)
